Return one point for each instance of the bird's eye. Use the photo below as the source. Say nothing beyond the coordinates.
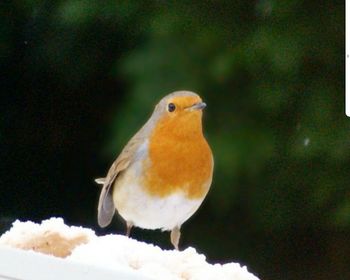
(171, 107)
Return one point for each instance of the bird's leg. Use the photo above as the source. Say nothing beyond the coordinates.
(175, 237)
(128, 228)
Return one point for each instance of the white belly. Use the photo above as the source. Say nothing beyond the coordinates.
(149, 212)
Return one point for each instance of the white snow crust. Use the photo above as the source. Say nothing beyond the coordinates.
(115, 252)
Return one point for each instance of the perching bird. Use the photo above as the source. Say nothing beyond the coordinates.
(163, 174)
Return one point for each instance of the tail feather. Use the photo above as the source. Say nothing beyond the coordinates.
(100, 181)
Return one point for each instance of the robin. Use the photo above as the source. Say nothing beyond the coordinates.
(163, 174)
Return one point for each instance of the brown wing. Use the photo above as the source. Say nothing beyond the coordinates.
(106, 208)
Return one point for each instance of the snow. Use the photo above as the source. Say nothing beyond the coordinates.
(117, 252)
(50, 237)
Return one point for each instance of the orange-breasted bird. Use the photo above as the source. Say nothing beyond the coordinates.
(163, 174)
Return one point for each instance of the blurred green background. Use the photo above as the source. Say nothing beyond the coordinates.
(79, 78)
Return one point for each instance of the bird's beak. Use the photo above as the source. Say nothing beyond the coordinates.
(197, 106)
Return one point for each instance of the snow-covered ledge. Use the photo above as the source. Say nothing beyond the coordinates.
(57, 251)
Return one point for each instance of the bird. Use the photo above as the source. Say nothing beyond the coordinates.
(164, 172)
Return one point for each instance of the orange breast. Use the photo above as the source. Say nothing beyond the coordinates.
(179, 157)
